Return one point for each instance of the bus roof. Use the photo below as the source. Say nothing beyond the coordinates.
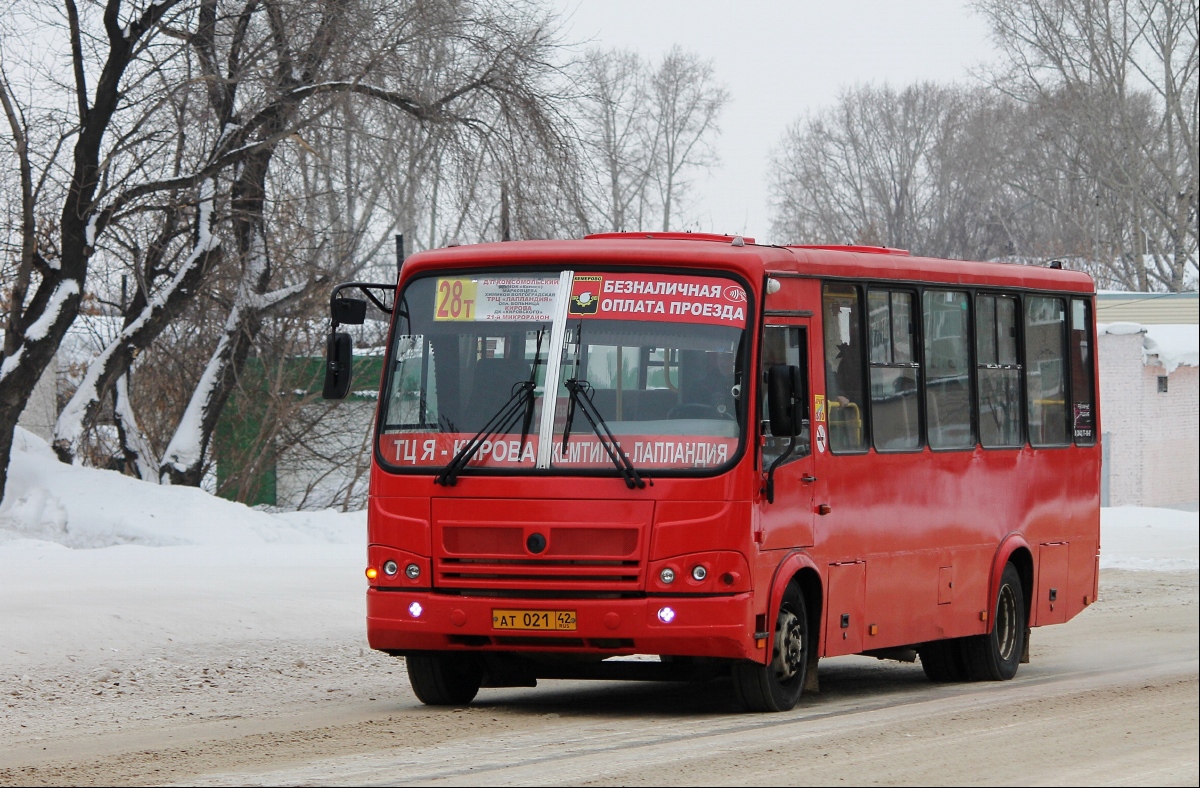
(725, 252)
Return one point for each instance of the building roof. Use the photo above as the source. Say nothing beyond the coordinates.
(1168, 346)
(1148, 308)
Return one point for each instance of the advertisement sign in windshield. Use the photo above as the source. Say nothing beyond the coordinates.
(663, 297)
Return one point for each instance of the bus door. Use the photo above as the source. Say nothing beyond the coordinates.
(788, 521)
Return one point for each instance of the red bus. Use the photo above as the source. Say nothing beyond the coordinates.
(753, 457)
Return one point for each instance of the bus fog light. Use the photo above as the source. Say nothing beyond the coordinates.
(699, 573)
(666, 615)
(667, 576)
(415, 610)
(390, 568)
(412, 571)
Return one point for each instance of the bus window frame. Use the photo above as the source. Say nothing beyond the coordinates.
(1065, 337)
(917, 318)
(1020, 295)
(748, 350)
(972, 370)
(1023, 418)
(864, 357)
(1089, 326)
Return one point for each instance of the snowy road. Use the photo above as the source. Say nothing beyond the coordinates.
(1109, 698)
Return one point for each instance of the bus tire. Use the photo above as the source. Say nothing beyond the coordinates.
(942, 661)
(440, 679)
(997, 655)
(777, 685)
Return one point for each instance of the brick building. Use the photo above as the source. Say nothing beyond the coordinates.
(1150, 398)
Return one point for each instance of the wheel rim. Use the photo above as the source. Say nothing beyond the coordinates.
(1006, 618)
(789, 646)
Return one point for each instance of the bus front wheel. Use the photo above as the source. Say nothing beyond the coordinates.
(440, 679)
(776, 686)
(996, 655)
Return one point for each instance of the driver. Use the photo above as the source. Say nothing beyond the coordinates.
(716, 388)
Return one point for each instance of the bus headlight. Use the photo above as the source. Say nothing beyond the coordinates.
(667, 575)
(412, 571)
(699, 573)
(390, 568)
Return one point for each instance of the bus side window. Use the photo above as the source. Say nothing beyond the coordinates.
(948, 370)
(895, 425)
(783, 345)
(841, 313)
(1082, 415)
(1046, 388)
(997, 372)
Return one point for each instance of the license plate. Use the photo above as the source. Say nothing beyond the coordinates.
(538, 620)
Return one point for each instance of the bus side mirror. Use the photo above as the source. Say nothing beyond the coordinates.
(348, 311)
(339, 365)
(785, 392)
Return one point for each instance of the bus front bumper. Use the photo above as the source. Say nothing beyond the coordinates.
(405, 621)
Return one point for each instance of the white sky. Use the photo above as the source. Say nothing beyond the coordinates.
(780, 59)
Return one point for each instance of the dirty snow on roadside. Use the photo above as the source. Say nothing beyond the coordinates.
(96, 563)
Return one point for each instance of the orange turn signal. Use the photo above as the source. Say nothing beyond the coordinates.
(372, 573)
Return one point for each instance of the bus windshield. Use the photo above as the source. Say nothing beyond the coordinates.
(658, 358)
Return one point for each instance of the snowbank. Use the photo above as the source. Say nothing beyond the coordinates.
(86, 507)
(1141, 538)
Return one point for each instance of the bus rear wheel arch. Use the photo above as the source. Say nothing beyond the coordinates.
(993, 656)
(778, 684)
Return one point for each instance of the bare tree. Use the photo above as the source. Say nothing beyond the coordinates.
(881, 167)
(685, 106)
(618, 136)
(38, 320)
(196, 97)
(1119, 77)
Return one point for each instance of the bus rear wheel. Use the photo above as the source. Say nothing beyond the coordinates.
(777, 685)
(440, 679)
(997, 655)
(942, 661)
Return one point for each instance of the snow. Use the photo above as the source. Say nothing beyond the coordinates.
(1145, 539)
(94, 562)
(41, 327)
(1175, 346)
(1121, 329)
(98, 566)
(1172, 346)
(47, 502)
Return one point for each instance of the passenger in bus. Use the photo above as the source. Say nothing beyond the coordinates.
(846, 377)
(845, 394)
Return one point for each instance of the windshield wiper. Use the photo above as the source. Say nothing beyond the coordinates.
(581, 396)
(521, 401)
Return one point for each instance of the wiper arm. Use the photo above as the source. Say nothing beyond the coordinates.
(581, 397)
(504, 419)
(521, 401)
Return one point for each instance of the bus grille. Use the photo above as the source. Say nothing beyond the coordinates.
(575, 558)
(540, 547)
